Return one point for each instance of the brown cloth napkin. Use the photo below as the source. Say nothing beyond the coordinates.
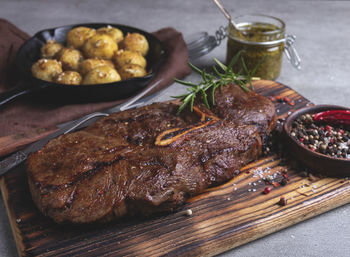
(26, 120)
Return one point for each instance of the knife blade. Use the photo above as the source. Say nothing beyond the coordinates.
(20, 156)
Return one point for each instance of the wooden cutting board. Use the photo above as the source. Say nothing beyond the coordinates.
(223, 217)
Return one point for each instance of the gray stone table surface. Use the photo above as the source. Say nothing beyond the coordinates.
(322, 29)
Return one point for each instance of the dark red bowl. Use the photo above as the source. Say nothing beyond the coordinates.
(330, 166)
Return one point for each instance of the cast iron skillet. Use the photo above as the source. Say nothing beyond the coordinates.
(30, 53)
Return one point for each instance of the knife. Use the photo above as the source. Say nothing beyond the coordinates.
(20, 156)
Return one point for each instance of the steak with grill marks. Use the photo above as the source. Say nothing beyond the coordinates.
(113, 167)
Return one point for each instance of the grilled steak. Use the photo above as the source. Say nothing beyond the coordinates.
(245, 108)
(113, 167)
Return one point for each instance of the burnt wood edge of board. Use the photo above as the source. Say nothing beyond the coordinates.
(18, 237)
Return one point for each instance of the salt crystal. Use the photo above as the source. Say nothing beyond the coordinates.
(188, 212)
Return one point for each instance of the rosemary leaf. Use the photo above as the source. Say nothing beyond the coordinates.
(234, 60)
(205, 99)
(252, 73)
(179, 96)
(243, 78)
(192, 102)
(216, 85)
(182, 106)
(217, 72)
(194, 68)
(221, 65)
(186, 83)
(245, 68)
(243, 86)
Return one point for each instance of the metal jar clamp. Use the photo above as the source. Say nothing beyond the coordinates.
(201, 43)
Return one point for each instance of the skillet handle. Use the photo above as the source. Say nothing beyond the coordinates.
(11, 94)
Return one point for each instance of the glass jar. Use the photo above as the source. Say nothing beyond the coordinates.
(261, 40)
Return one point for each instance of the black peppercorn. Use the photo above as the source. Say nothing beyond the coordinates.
(332, 140)
(284, 182)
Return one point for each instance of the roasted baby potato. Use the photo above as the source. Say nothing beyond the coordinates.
(70, 58)
(123, 57)
(135, 42)
(50, 49)
(68, 78)
(114, 33)
(100, 46)
(65, 64)
(131, 71)
(101, 75)
(90, 64)
(76, 37)
(46, 69)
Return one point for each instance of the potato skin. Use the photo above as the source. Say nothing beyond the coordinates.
(46, 69)
(101, 75)
(124, 57)
(50, 49)
(65, 64)
(68, 78)
(114, 33)
(135, 42)
(76, 37)
(131, 71)
(70, 58)
(100, 46)
(89, 64)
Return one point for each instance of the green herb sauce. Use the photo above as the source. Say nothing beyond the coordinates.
(250, 40)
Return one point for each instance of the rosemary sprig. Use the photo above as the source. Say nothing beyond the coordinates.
(210, 82)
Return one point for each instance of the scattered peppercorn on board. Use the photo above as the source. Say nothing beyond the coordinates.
(270, 194)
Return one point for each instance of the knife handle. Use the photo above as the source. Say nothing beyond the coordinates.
(12, 161)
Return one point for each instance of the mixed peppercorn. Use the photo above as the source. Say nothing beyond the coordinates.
(323, 135)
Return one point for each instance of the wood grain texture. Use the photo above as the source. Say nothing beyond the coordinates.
(223, 217)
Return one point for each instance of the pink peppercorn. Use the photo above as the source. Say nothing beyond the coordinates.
(267, 190)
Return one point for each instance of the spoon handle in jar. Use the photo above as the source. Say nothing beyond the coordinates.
(225, 12)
